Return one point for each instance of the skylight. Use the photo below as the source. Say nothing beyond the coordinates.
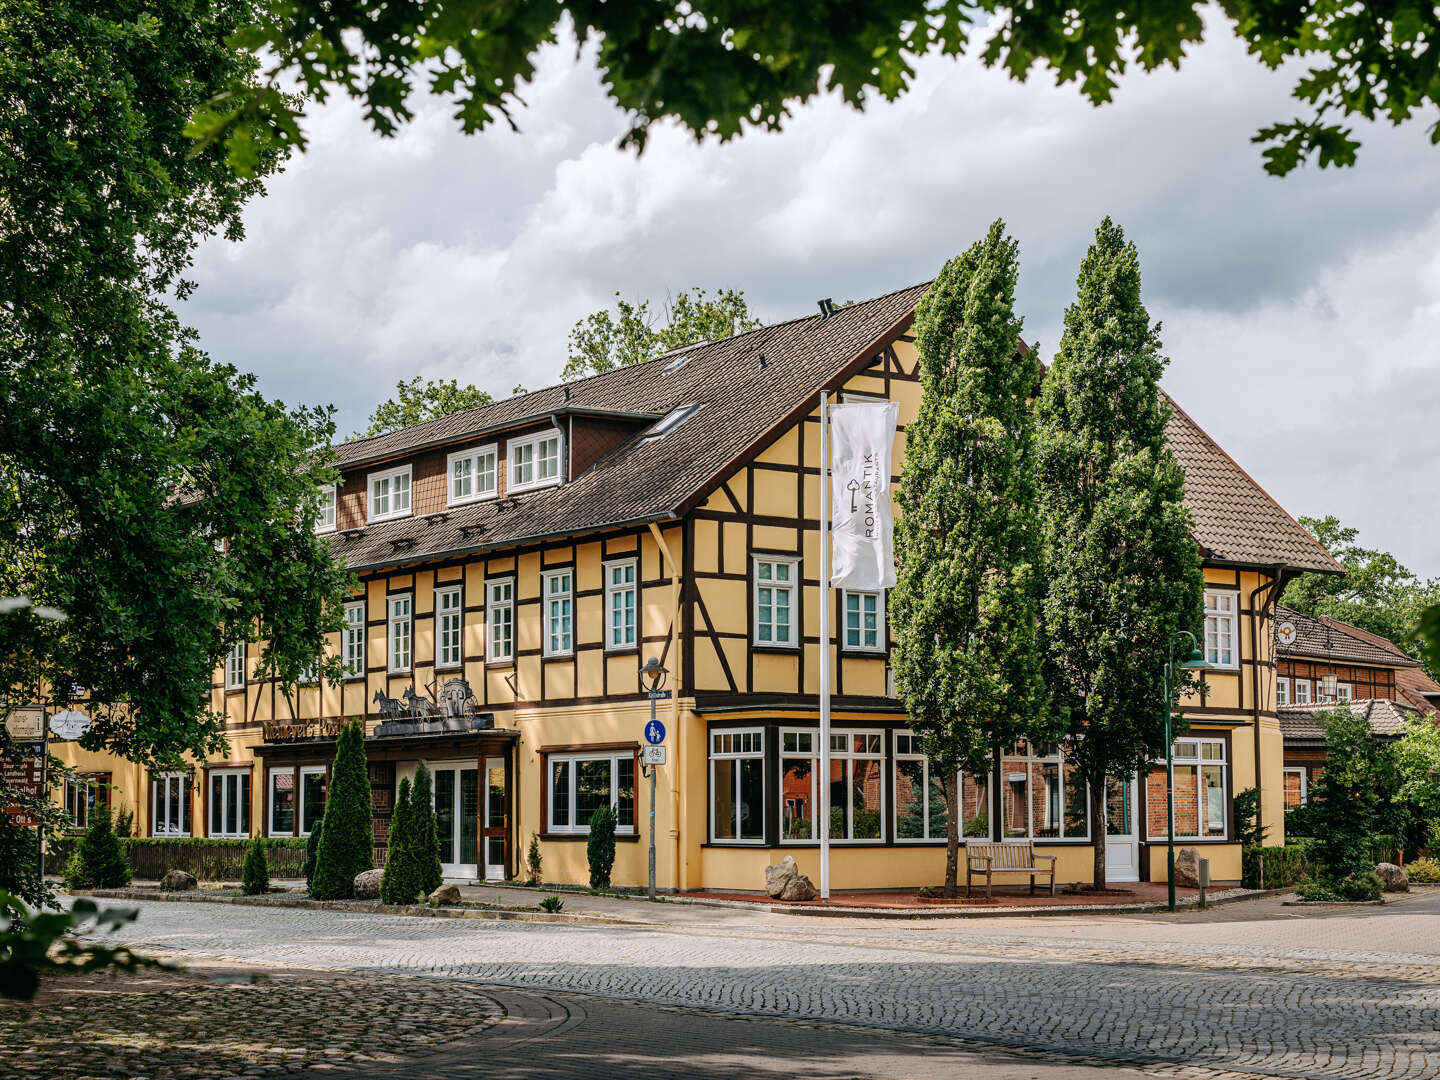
(677, 363)
(673, 419)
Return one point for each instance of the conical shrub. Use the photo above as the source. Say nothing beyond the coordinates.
(346, 847)
(426, 837)
(99, 861)
(255, 873)
(400, 884)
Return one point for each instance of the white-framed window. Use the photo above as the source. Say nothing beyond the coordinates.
(235, 667)
(325, 513)
(620, 595)
(673, 419)
(474, 474)
(1201, 791)
(535, 461)
(229, 799)
(921, 812)
(1222, 615)
(558, 599)
(449, 622)
(397, 632)
(1282, 691)
(170, 804)
(857, 784)
(280, 802)
(354, 639)
(864, 621)
(1042, 795)
(82, 793)
(1344, 692)
(1302, 691)
(776, 593)
(500, 619)
(1297, 787)
(313, 785)
(389, 494)
(578, 784)
(737, 785)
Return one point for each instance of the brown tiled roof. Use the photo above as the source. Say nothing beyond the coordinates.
(744, 404)
(1418, 689)
(1343, 643)
(1386, 718)
(1235, 520)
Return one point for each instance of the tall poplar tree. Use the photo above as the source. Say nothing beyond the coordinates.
(1124, 571)
(965, 606)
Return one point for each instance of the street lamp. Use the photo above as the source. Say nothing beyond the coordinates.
(1194, 662)
(655, 672)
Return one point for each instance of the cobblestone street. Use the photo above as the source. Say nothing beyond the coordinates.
(1254, 989)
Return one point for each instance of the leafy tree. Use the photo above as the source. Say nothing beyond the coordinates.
(346, 847)
(1349, 800)
(98, 861)
(1124, 571)
(600, 847)
(1416, 757)
(422, 399)
(425, 834)
(255, 871)
(602, 341)
(400, 883)
(1248, 829)
(965, 605)
(1376, 593)
(744, 66)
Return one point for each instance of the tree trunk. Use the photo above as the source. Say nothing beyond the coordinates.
(1097, 828)
(997, 794)
(952, 834)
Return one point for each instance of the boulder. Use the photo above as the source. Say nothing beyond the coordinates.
(178, 881)
(1393, 877)
(779, 874)
(1187, 868)
(445, 894)
(367, 884)
(799, 887)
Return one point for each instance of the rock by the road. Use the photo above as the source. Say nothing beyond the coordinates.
(178, 881)
(1393, 877)
(367, 884)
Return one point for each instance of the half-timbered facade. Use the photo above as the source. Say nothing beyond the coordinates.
(519, 562)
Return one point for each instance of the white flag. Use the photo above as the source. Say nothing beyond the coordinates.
(862, 525)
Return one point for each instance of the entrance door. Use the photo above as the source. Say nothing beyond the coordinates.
(494, 830)
(457, 818)
(1122, 835)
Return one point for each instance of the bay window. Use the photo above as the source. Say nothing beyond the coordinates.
(473, 475)
(737, 785)
(558, 600)
(229, 802)
(170, 804)
(1201, 791)
(449, 620)
(857, 784)
(579, 784)
(389, 494)
(620, 604)
(775, 601)
(1221, 623)
(500, 619)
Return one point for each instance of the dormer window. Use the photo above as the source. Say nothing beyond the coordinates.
(673, 419)
(535, 461)
(389, 494)
(473, 475)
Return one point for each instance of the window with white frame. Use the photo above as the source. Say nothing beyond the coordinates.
(1221, 628)
(313, 788)
(857, 784)
(535, 461)
(798, 797)
(921, 812)
(1282, 691)
(1042, 795)
(559, 603)
(1344, 692)
(397, 632)
(449, 621)
(1297, 787)
(775, 601)
(1302, 691)
(474, 474)
(500, 619)
(389, 494)
(354, 639)
(280, 797)
(737, 785)
(235, 667)
(620, 604)
(82, 792)
(170, 804)
(325, 511)
(1201, 791)
(229, 798)
(578, 784)
(864, 615)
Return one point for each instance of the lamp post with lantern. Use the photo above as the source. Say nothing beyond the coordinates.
(1194, 662)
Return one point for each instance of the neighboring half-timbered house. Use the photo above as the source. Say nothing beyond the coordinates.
(519, 562)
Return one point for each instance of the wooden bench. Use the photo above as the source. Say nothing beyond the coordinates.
(991, 859)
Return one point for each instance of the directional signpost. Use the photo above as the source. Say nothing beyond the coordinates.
(652, 753)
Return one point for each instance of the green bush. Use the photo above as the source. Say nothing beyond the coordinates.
(533, 860)
(1284, 866)
(600, 848)
(98, 862)
(552, 904)
(400, 883)
(1248, 829)
(425, 836)
(1424, 870)
(1348, 805)
(1360, 886)
(255, 874)
(346, 848)
(311, 843)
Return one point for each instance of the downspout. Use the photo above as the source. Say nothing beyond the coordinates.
(1272, 587)
(677, 768)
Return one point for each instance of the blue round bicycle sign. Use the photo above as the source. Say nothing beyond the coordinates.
(655, 733)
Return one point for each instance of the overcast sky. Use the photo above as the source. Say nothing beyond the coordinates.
(1301, 315)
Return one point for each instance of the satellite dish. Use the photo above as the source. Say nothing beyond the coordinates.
(1286, 633)
(69, 724)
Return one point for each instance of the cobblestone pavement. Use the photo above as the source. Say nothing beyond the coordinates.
(1348, 995)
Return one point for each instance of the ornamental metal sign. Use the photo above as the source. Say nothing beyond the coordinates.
(26, 723)
(69, 724)
(1286, 633)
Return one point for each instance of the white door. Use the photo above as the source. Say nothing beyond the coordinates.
(1122, 834)
(492, 836)
(457, 818)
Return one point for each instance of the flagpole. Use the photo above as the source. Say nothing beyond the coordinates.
(823, 780)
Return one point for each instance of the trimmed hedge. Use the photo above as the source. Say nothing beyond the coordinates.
(1284, 866)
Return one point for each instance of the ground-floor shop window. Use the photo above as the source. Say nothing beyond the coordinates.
(581, 783)
(170, 804)
(856, 784)
(282, 802)
(1043, 796)
(312, 797)
(82, 793)
(230, 802)
(737, 785)
(921, 810)
(1201, 791)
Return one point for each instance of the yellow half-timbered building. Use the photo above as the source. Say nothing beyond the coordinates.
(519, 563)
